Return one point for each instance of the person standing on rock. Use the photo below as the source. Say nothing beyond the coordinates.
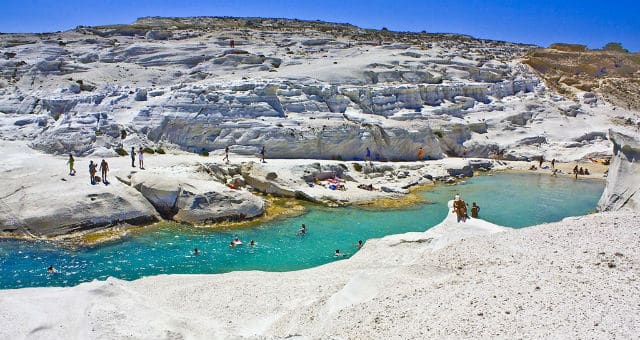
(133, 157)
(226, 154)
(540, 162)
(104, 168)
(141, 158)
(232, 43)
(92, 172)
(71, 161)
(475, 209)
(420, 153)
(367, 157)
(459, 208)
(263, 153)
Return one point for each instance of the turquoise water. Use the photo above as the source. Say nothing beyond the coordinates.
(507, 199)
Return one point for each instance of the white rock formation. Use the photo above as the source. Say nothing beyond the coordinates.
(39, 199)
(623, 182)
(188, 194)
(574, 278)
(301, 92)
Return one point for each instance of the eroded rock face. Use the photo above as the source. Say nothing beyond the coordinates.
(52, 208)
(623, 181)
(185, 194)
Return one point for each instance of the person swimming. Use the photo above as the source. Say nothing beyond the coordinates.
(252, 243)
(303, 230)
(360, 244)
(51, 270)
(196, 251)
(338, 253)
(236, 241)
(232, 244)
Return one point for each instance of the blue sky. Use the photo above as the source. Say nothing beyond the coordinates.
(593, 23)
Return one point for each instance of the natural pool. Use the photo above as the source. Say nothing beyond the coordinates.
(515, 200)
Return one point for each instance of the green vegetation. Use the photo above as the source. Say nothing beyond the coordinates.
(121, 151)
(615, 47)
(148, 150)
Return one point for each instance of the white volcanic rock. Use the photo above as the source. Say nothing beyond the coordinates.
(623, 182)
(188, 194)
(38, 198)
(472, 279)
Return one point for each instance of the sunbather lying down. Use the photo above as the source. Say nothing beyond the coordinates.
(366, 187)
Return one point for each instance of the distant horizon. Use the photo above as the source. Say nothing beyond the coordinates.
(589, 22)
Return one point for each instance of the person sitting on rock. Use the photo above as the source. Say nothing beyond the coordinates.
(581, 171)
(586, 171)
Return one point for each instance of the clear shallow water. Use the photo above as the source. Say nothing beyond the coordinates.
(515, 200)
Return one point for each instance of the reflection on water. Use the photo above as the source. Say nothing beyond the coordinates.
(508, 199)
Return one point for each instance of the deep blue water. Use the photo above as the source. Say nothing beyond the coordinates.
(516, 200)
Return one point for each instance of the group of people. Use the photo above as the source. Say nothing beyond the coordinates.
(140, 158)
(580, 171)
(460, 208)
(104, 167)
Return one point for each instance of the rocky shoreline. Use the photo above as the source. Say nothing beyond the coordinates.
(198, 190)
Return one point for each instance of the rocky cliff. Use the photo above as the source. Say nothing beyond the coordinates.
(623, 183)
(300, 88)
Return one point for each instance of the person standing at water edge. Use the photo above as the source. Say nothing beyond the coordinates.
(104, 168)
(367, 157)
(420, 153)
(141, 158)
(71, 161)
(133, 157)
(540, 162)
(262, 153)
(475, 209)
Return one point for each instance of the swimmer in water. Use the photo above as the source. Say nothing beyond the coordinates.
(252, 243)
(51, 270)
(196, 251)
(303, 230)
(236, 240)
(232, 244)
(360, 244)
(338, 253)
